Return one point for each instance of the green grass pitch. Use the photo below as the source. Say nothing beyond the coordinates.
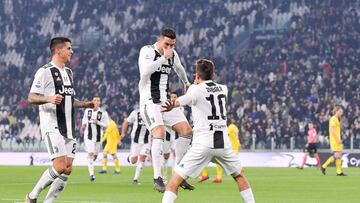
(269, 185)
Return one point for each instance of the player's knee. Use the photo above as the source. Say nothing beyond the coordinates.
(142, 158)
(158, 132)
(68, 170)
(133, 160)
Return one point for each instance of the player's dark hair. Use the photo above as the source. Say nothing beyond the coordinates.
(168, 32)
(174, 93)
(56, 41)
(96, 96)
(205, 68)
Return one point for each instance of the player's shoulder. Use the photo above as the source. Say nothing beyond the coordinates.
(46, 66)
(150, 47)
(68, 70)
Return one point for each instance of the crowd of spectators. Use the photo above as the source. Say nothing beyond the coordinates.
(277, 86)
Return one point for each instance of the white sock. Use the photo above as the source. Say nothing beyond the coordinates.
(181, 147)
(156, 154)
(169, 197)
(164, 169)
(138, 170)
(45, 180)
(56, 187)
(247, 196)
(91, 165)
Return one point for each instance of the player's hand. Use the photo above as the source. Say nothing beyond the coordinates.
(168, 106)
(186, 87)
(168, 53)
(55, 99)
(89, 104)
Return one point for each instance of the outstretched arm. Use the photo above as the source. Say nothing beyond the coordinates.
(38, 99)
(83, 104)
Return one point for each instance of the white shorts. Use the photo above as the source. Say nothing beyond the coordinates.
(92, 146)
(169, 140)
(152, 116)
(58, 145)
(198, 157)
(139, 149)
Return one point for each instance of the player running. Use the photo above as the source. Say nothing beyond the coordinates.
(335, 142)
(94, 121)
(210, 140)
(53, 91)
(140, 145)
(155, 64)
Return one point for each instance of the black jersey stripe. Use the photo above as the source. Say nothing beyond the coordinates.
(137, 133)
(98, 127)
(89, 135)
(60, 108)
(68, 71)
(168, 136)
(146, 138)
(218, 140)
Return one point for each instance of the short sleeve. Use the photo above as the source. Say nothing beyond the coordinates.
(39, 83)
(189, 98)
(132, 117)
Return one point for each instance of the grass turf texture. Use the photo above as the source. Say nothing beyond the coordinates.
(269, 185)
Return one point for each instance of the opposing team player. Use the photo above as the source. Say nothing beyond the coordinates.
(155, 64)
(112, 138)
(53, 91)
(94, 121)
(336, 144)
(140, 145)
(210, 140)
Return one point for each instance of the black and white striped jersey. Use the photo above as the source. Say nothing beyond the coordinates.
(208, 105)
(94, 131)
(154, 74)
(50, 80)
(139, 132)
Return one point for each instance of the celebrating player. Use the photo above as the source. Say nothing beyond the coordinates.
(94, 121)
(155, 64)
(53, 91)
(112, 138)
(335, 142)
(210, 141)
(140, 146)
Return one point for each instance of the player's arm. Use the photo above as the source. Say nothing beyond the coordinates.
(38, 99)
(84, 121)
(180, 71)
(36, 94)
(124, 127)
(188, 99)
(147, 65)
(83, 104)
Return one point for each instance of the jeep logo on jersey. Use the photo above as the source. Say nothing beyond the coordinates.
(164, 69)
(67, 90)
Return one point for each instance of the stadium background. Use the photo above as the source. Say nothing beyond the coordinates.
(286, 63)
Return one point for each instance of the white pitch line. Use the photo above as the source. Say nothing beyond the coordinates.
(66, 201)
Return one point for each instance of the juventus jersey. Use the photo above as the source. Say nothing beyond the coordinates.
(208, 105)
(94, 131)
(154, 74)
(139, 133)
(50, 80)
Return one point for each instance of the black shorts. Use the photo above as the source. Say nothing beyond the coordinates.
(312, 148)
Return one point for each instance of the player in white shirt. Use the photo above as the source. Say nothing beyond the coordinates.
(210, 140)
(94, 122)
(53, 91)
(140, 145)
(155, 64)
